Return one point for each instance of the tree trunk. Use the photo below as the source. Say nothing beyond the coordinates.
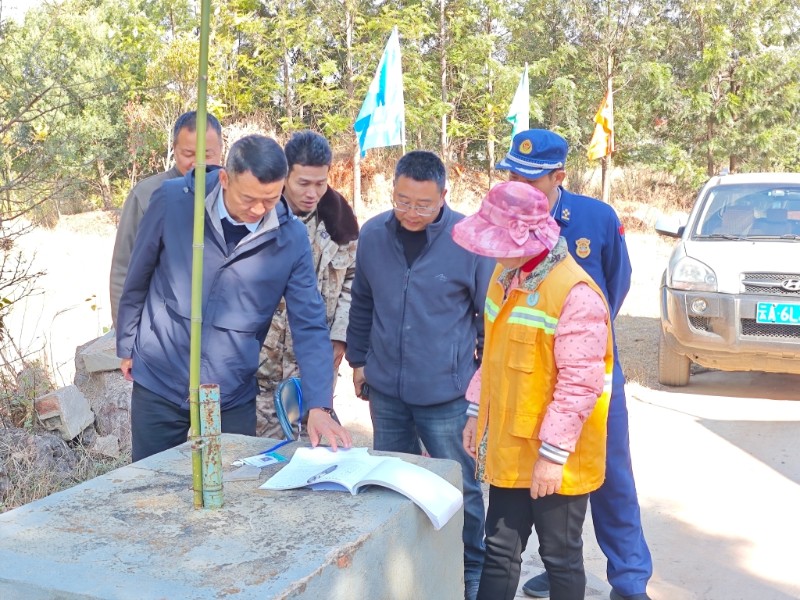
(489, 89)
(134, 173)
(287, 85)
(710, 167)
(350, 87)
(443, 69)
(104, 181)
(735, 90)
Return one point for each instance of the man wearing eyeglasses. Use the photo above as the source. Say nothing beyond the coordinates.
(416, 331)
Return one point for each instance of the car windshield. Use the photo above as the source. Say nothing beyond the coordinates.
(742, 211)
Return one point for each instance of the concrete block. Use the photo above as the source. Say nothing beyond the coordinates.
(109, 396)
(106, 445)
(65, 410)
(133, 533)
(98, 355)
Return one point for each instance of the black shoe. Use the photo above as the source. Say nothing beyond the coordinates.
(537, 587)
(615, 596)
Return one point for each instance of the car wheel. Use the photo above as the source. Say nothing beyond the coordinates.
(673, 368)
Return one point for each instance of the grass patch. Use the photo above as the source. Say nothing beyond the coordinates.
(35, 464)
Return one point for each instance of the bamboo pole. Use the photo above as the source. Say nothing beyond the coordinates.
(210, 428)
(197, 258)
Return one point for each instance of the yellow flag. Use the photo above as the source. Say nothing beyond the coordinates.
(602, 143)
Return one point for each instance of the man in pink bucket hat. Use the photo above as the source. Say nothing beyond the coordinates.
(539, 436)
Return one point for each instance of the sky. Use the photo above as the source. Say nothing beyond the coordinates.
(15, 9)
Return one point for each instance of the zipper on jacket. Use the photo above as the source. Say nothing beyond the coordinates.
(402, 332)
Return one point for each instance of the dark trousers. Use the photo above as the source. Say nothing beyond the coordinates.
(615, 506)
(399, 427)
(559, 523)
(158, 424)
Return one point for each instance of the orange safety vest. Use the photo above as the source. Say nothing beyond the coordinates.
(519, 377)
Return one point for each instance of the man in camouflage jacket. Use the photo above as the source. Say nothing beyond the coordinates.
(333, 233)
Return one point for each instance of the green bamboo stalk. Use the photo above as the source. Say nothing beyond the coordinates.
(197, 258)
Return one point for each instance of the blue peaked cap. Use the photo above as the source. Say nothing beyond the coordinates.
(534, 153)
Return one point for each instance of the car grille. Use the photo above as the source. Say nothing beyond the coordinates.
(701, 323)
(768, 284)
(750, 327)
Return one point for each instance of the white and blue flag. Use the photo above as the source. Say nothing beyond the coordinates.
(382, 118)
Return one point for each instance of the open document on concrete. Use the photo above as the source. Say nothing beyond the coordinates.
(351, 470)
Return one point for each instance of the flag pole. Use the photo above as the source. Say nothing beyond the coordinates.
(602, 143)
(403, 133)
(607, 158)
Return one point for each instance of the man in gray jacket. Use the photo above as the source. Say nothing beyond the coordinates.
(184, 138)
(416, 331)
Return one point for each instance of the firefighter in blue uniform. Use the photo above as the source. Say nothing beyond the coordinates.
(595, 238)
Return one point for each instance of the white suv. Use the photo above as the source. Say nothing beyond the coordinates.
(730, 297)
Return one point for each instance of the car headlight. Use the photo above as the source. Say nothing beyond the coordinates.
(691, 274)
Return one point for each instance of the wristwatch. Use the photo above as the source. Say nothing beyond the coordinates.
(331, 412)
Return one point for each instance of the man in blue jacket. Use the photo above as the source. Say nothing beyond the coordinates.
(595, 238)
(416, 331)
(255, 252)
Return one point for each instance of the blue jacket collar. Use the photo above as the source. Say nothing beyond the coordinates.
(212, 178)
(563, 208)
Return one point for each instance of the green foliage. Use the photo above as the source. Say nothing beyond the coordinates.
(89, 89)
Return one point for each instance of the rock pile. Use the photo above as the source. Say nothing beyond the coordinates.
(97, 406)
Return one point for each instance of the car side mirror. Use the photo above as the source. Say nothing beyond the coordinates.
(671, 225)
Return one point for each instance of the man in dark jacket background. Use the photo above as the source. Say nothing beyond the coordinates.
(255, 252)
(184, 140)
(416, 329)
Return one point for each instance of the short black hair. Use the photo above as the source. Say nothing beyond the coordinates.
(308, 149)
(259, 155)
(188, 121)
(421, 165)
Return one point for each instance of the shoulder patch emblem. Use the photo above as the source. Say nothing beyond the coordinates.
(526, 147)
(582, 247)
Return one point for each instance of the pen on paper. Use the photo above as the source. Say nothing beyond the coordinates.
(314, 478)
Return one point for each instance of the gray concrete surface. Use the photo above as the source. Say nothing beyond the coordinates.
(134, 534)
